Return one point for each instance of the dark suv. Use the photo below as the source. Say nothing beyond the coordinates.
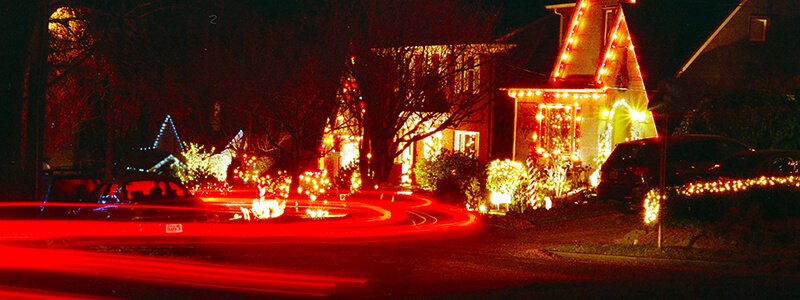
(632, 168)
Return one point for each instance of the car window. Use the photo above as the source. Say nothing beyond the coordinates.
(138, 190)
(690, 151)
(631, 153)
(106, 193)
(71, 189)
(173, 189)
(727, 148)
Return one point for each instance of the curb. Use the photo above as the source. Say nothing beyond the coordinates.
(650, 260)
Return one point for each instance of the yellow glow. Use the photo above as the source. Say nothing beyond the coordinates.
(635, 116)
(500, 198)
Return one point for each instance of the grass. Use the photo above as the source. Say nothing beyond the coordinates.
(757, 259)
(655, 252)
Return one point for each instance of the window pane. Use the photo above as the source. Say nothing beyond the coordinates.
(758, 29)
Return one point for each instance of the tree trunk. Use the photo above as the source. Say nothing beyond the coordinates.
(294, 172)
(364, 157)
(11, 97)
(108, 174)
(382, 160)
(37, 99)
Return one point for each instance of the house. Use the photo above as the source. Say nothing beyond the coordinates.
(593, 95)
(754, 47)
(461, 71)
(168, 151)
(164, 151)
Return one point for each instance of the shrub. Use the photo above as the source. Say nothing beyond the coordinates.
(510, 178)
(556, 177)
(760, 119)
(751, 200)
(348, 178)
(453, 177)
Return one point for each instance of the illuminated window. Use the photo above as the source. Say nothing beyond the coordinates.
(558, 129)
(467, 81)
(467, 142)
(433, 144)
(758, 28)
(348, 153)
(609, 18)
(406, 161)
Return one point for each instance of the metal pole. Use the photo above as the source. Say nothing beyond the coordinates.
(514, 137)
(662, 170)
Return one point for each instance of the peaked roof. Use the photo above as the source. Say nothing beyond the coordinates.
(664, 33)
(167, 139)
(667, 33)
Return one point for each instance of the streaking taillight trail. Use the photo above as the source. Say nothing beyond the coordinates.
(368, 219)
(373, 220)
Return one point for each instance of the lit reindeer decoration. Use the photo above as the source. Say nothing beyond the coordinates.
(263, 209)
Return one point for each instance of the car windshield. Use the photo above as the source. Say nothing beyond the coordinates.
(632, 153)
(152, 189)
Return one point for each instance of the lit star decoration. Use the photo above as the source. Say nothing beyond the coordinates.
(653, 201)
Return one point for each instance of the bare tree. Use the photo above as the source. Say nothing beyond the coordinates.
(416, 66)
(280, 80)
(112, 62)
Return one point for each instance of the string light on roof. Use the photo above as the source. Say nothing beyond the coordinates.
(167, 121)
(571, 41)
(612, 45)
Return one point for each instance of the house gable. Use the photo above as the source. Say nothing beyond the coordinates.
(167, 139)
(595, 98)
(754, 47)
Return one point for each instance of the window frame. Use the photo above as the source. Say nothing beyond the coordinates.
(762, 35)
(460, 142)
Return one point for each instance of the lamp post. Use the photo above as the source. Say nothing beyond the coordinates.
(662, 172)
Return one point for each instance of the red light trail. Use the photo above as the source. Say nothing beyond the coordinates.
(369, 219)
(172, 271)
(366, 221)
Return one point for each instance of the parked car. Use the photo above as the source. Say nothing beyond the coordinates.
(144, 199)
(753, 164)
(62, 190)
(632, 169)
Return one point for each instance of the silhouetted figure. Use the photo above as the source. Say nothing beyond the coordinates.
(156, 190)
